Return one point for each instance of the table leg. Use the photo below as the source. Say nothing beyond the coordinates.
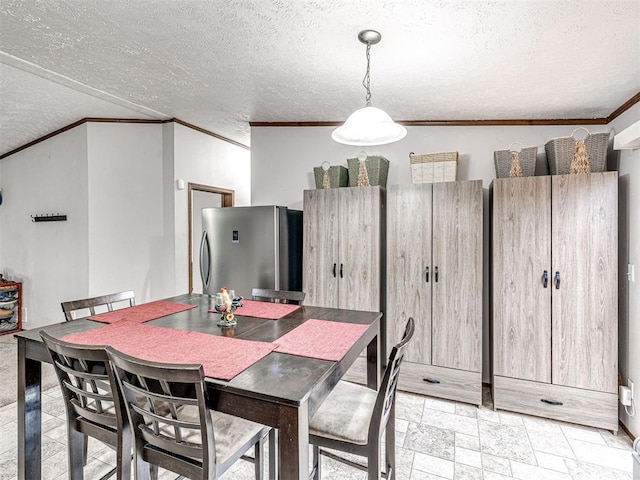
(293, 439)
(29, 415)
(373, 363)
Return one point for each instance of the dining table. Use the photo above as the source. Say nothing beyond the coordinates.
(282, 387)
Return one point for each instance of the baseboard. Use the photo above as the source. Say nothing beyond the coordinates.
(626, 430)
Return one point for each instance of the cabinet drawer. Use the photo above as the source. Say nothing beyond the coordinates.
(459, 385)
(568, 404)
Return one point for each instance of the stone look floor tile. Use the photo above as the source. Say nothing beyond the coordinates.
(525, 471)
(468, 457)
(440, 405)
(549, 440)
(588, 471)
(438, 442)
(551, 462)
(418, 475)
(488, 415)
(609, 457)
(466, 472)
(450, 421)
(506, 441)
(492, 463)
(434, 465)
(409, 407)
(586, 434)
(510, 418)
(496, 476)
(489, 440)
(468, 441)
(466, 410)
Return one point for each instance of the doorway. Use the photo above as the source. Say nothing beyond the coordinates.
(202, 196)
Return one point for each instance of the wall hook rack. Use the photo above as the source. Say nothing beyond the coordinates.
(49, 217)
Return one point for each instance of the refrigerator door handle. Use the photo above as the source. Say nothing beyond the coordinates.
(206, 276)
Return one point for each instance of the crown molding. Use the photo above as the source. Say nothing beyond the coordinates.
(411, 123)
(120, 120)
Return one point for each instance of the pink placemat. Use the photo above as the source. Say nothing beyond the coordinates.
(270, 310)
(321, 339)
(221, 357)
(142, 313)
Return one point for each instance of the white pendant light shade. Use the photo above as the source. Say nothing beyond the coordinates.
(369, 126)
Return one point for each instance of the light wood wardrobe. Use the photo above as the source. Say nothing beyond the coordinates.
(434, 274)
(343, 253)
(555, 297)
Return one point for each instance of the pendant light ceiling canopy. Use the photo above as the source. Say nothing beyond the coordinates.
(369, 125)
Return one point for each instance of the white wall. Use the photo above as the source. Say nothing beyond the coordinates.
(282, 158)
(629, 252)
(127, 223)
(128, 248)
(205, 160)
(50, 258)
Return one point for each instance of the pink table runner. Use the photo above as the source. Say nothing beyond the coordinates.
(270, 310)
(142, 313)
(221, 357)
(321, 339)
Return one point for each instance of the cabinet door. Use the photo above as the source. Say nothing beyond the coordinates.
(521, 254)
(360, 248)
(457, 264)
(585, 313)
(408, 258)
(320, 247)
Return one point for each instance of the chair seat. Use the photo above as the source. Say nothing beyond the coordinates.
(345, 414)
(230, 432)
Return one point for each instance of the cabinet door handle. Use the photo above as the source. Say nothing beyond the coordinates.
(557, 280)
(551, 402)
(545, 279)
(435, 274)
(427, 275)
(341, 265)
(431, 380)
(334, 270)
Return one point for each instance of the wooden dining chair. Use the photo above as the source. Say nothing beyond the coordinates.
(93, 404)
(280, 296)
(353, 418)
(174, 429)
(72, 308)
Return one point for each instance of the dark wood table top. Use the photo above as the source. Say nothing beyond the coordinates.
(283, 378)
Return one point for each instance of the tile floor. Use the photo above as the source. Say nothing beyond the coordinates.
(436, 440)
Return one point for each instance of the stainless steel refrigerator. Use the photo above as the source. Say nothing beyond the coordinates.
(251, 247)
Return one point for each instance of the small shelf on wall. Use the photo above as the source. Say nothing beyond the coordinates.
(49, 217)
(628, 139)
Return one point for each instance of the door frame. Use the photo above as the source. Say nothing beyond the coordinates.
(228, 200)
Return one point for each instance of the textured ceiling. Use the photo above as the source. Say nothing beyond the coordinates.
(220, 64)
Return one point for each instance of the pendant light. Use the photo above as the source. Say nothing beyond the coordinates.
(369, 125)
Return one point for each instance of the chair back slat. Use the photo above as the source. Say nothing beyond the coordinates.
(73, 309)
(84, 376)
(278, 296)
(173, 419)
(387, 391)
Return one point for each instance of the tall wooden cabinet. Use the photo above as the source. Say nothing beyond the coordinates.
(434, 274)
(343, 249)
(555, 294)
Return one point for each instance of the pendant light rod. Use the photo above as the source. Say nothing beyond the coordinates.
(368, 37)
